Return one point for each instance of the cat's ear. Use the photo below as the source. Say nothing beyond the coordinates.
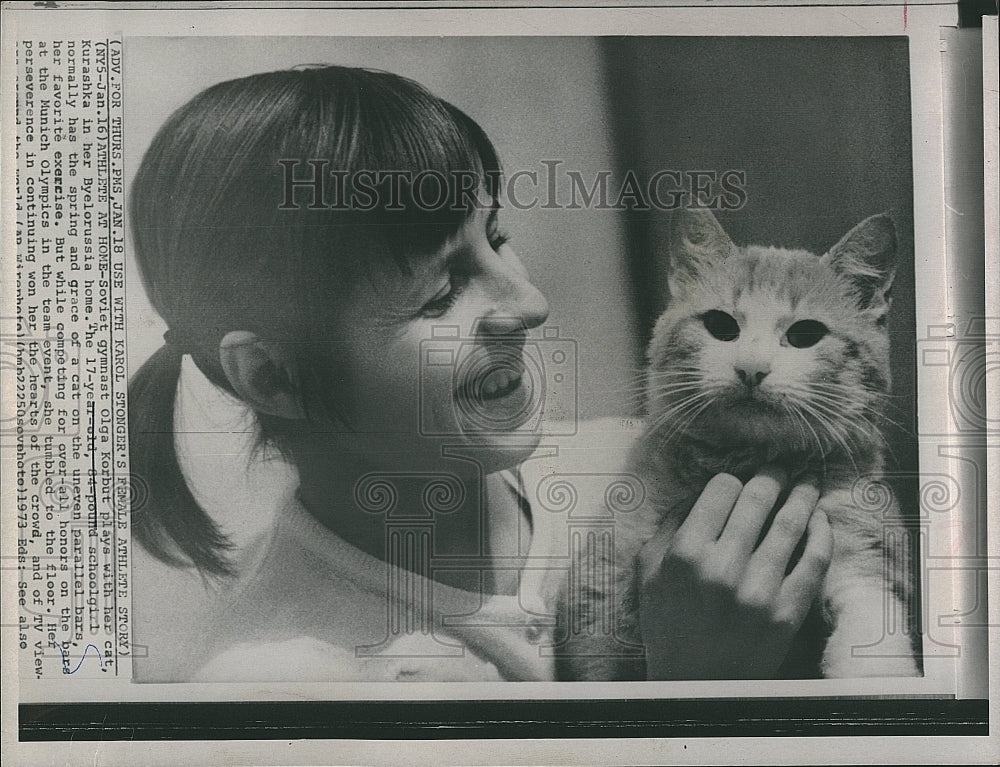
(696, 240)
(866, 256)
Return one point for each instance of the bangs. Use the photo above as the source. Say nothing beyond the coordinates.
(404, 169)
(293, 185)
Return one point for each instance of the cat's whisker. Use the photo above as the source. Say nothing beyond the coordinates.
(672, 382)
(638, 394)
(691, 418)
(674, 372)
(678, 409)
(691, 406)
(883, 417)
(857, 420)
(827, 418)
(800, 418)
(833, 428)
(685, 391)
(848, 394)
(680, 427)
(837, 405)
(846, 388)
(656, 376)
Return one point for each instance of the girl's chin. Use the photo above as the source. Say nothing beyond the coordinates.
(492, 451)
(503, 414)
(513, 439)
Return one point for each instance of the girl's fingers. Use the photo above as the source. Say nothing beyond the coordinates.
(801, 587)
(751, 511)
(701, 527)
(709, 514)
(772, 556)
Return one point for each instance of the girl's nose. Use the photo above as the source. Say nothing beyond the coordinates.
(517, 304)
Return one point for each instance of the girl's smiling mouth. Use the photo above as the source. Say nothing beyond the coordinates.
(496, 391)
(499, 384)
(494, 376)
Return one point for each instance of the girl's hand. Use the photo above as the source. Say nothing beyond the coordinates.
(715, 604)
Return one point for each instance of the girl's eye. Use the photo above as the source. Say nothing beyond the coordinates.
(806, 333)
(721, 325)
(498, 238)
(438, 307)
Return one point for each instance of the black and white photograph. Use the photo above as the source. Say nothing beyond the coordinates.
(581, 359)
(613, 381)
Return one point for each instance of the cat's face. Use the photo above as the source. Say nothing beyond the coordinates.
(769, 346)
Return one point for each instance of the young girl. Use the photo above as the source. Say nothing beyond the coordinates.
(331, 498)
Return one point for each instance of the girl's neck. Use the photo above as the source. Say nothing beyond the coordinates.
(375, 504)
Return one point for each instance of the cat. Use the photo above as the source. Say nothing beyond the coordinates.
(763, 356)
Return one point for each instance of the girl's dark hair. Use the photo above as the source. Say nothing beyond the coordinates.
(220, 249)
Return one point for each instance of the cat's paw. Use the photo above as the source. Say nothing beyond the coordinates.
(844, 658)
(857, 668)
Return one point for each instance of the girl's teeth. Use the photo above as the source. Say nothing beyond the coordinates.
(498, 383)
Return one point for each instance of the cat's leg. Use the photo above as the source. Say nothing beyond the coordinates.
(598, 639)
(864, 599)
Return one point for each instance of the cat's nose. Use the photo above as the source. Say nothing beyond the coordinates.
(751, 376)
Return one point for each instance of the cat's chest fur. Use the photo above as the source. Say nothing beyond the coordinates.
(674, 474)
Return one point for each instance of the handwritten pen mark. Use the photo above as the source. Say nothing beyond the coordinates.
(65, 657)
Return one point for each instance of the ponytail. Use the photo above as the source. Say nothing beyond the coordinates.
(171, 525)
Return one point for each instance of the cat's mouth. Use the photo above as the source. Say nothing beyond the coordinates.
(752, 397)
(745, 418)
(751, 406)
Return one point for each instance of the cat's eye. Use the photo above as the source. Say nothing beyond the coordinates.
(806, 333)
(721, 325)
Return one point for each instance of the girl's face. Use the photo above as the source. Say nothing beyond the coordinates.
(437, 358)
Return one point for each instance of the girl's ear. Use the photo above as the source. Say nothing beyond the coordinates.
(696, 239)
(262, 374)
